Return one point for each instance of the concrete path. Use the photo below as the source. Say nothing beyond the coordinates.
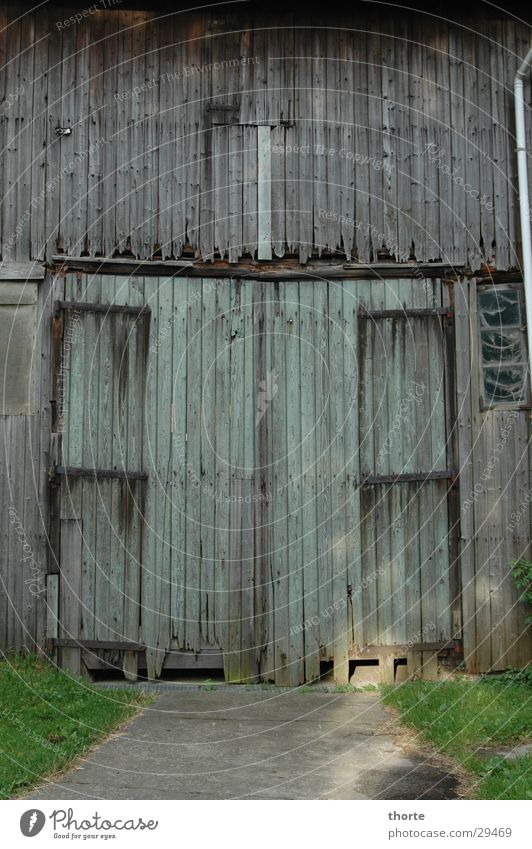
(237, 743)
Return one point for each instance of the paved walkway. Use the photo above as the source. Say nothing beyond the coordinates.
(237, 743)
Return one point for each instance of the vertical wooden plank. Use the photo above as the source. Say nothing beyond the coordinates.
(465, 480)
(196, 84)
(307, 330)
(278, 184)
(135, 491)
(16, 530)
(484, 153)
(482, 542)
(250, 409)
(71, 544)
(52, 607)
(430, 133)
(304, 138)
(417, 142)
(374, 131)
(444, 131)
(104, 459)
(500, 165)
(346, 140)
(280, 508)
(3, 94)
(315, 182)
(248, 666)
(262, 494)
(323, 379)
(334, 137)
(365, 602)
(221, 193)
(337, 402)
(221, 377)
(232, 653)
(91, 492)
(147, 217)
(24, 107)
(38, 223)
(178, 164)
(352, 365)
(163, 465)
(291, 172)
(264, 194)
(129, 138)
(11, 122)
(389, 140)
(249, 190)
(211, 85)
(458, 143)
(194, 476)
(150, 591)
(362, 145)
(78, 202)
(270, 450)
(114, 82)
(208, 462)
(235, 210)
(176, 325)
(292, 388)
(472, 161)
(96, 105)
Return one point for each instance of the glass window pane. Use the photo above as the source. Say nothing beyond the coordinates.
(501, 347)
(505, 384)
(498, 308)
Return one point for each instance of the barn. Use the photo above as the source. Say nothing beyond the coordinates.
(265, 405)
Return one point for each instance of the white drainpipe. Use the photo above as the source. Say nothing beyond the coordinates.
(524, 205)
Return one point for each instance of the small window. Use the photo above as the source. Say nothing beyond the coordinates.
(503, 352)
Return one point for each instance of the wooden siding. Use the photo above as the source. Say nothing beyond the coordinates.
(24, 506)
(163, 150)
(492, 621)
(495, 481)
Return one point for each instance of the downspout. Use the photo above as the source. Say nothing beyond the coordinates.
(524, 205)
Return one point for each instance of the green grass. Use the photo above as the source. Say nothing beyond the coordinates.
(460, 716)
(48, 718)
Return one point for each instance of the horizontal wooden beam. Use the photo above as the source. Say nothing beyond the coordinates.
(82, 306)
(81, 472)
(375, 652)
(408, 477)
(273, 271)
(406, 313)
(174, 660)
(17, 271)
(111, 645)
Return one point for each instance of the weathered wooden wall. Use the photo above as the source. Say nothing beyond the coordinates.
(149, 170)
(164, 115)
(24, 461)
(495, 494)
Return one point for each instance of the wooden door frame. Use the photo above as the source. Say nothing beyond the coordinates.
(66, 528)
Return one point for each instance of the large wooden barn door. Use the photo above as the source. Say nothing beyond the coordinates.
(252, 475)
(357, 475)
(100, 376)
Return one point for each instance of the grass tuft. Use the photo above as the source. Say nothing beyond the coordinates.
(49, 718)
(465, 719)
